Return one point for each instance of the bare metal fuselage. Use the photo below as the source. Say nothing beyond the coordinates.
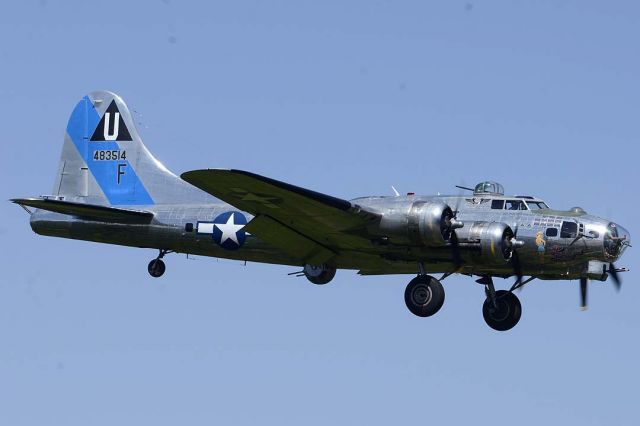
(543, 256)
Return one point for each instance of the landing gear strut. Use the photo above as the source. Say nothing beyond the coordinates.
(501, 309)
(424, 295)
(157, 267)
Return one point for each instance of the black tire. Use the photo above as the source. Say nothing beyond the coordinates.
(424, 296)
(156, 268)
(507, 314)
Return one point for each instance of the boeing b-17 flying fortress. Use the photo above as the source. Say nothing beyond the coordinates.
(110, 189)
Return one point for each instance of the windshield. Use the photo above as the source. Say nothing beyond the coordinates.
(515, 205)
(537, 205)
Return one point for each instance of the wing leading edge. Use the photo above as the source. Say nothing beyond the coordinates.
(309, 225)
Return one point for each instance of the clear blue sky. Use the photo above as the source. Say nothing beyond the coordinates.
(347, 98)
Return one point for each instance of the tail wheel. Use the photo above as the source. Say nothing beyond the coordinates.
(506, 314)
(156, 268)
(424, 296)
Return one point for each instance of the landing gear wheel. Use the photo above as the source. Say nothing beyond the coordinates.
(507, 313)
(156, 268)
(424, 296)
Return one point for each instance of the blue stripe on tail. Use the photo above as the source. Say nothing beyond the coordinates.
(117, 179)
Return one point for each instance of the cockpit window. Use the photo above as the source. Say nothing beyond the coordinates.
(536, 205)
(497, 204)
(569, 230)
(515, 205)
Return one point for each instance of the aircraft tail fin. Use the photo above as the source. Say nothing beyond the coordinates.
(104, 161)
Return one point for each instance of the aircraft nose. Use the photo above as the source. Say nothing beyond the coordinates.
(624, 233)
(616, 240)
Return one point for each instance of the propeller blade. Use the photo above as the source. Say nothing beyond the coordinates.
(515, 257)
(455, 250)
(455, 243)
(614, 276)
(517, 266)
(459, 199)
(583, 293)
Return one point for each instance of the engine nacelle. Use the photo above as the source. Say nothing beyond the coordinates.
(496, 240)
(424, 223)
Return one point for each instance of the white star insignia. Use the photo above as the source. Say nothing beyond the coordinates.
(229, 230)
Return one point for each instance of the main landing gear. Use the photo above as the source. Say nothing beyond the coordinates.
(506, 312)
(157, 267)
(501, 309)
(424, 295)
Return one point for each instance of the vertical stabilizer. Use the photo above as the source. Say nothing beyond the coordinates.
(104, 161)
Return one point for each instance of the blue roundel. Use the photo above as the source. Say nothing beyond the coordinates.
(227, 230)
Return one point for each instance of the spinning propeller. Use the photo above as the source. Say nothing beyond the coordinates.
(584, 283)
(453, 223)
(514, 243)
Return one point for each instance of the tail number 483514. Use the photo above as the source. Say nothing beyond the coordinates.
(109, 155)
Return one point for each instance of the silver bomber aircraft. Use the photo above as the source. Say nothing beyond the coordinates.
(110, 189)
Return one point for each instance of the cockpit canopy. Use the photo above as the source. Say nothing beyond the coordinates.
(494, 193)
(488, 187)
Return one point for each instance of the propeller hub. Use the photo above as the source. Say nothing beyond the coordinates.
(455, 224)
(516, 243)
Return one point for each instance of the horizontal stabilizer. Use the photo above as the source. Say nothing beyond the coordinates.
(87, 211)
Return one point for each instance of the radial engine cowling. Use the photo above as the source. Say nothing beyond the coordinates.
(424, 223)
(497, 240)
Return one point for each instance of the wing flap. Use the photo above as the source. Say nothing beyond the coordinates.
(87, 211)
